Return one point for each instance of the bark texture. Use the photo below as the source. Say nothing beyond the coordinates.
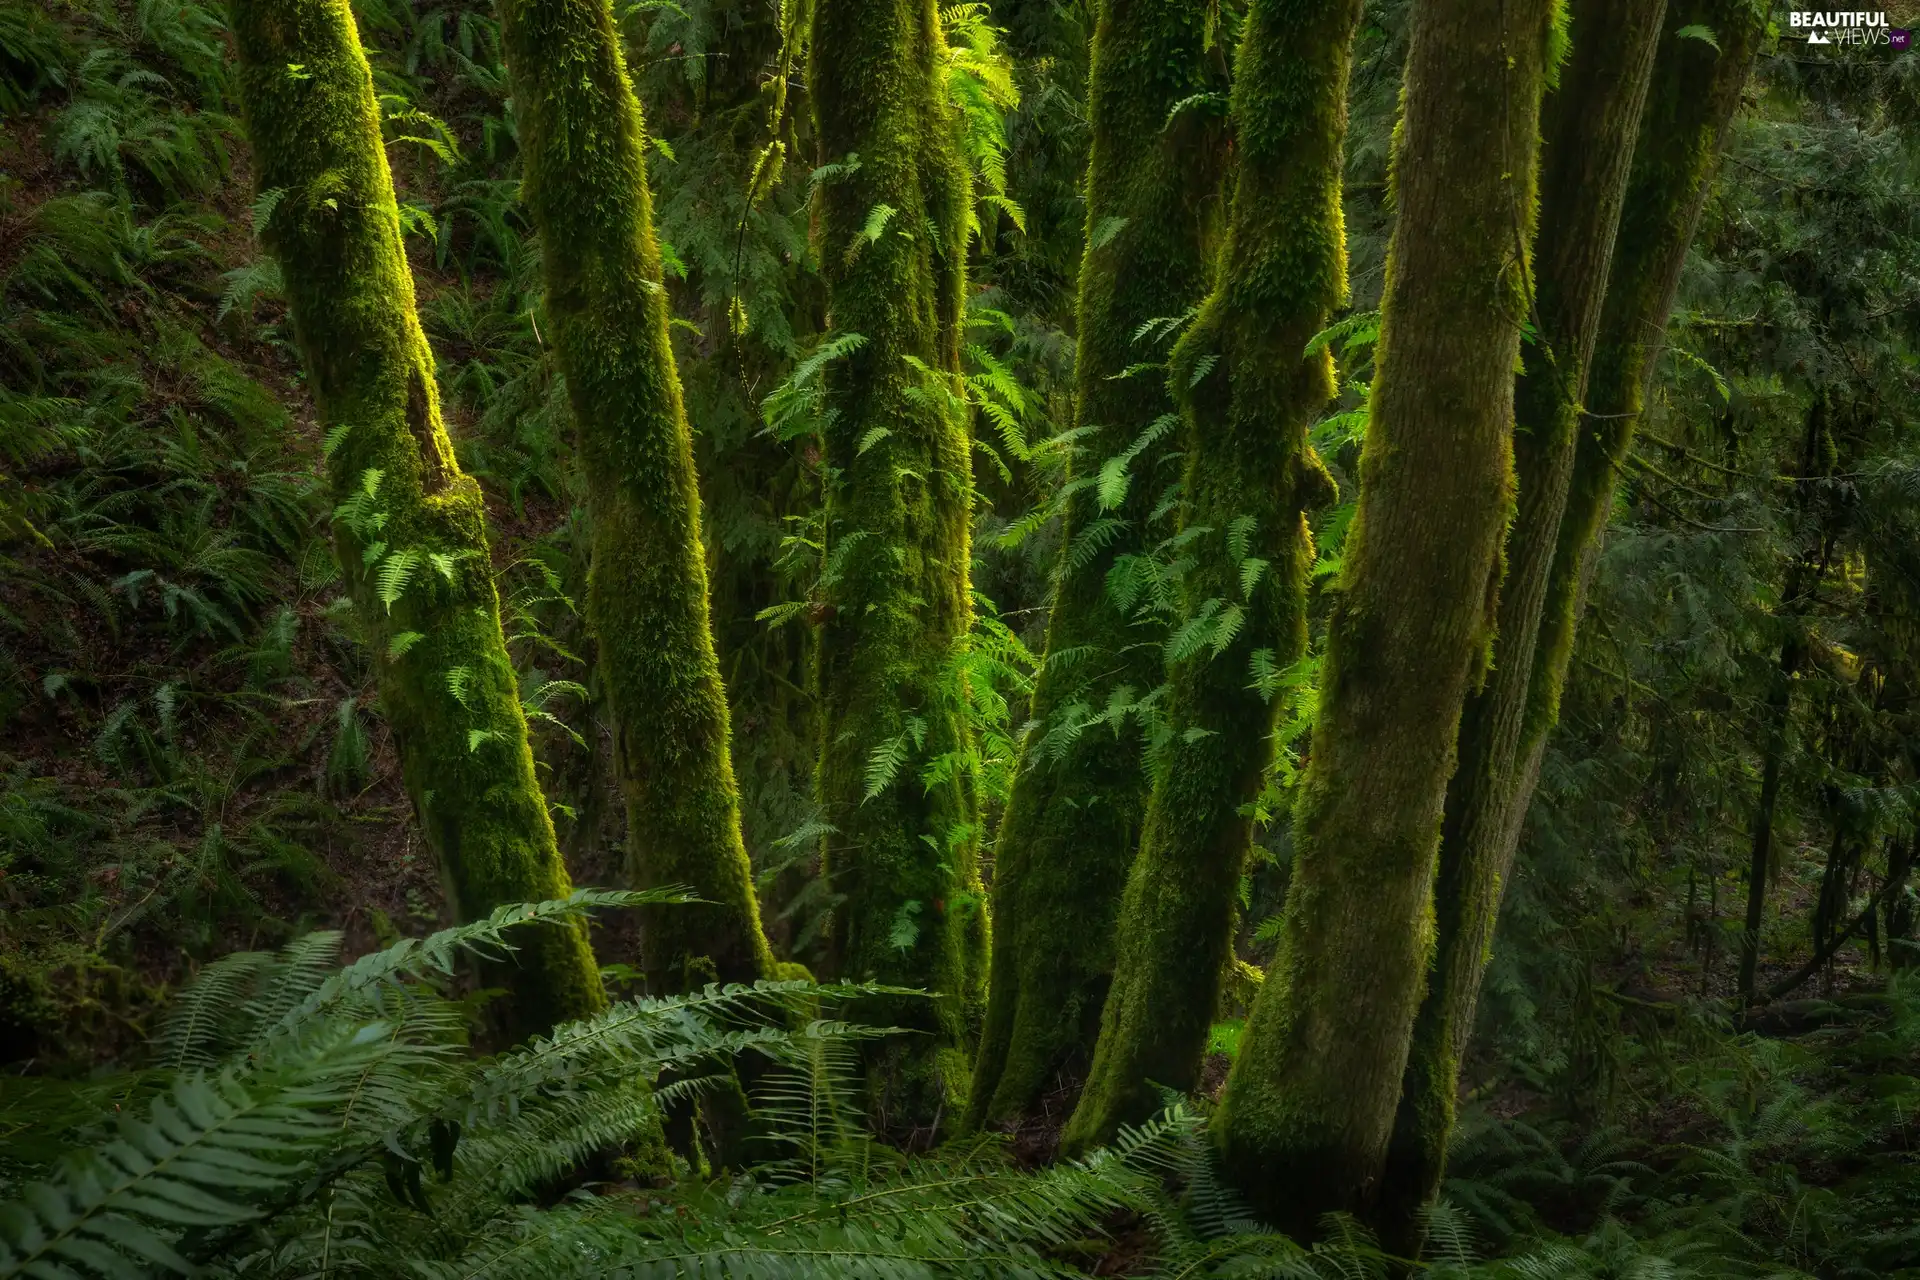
(582, 144)
(1588, 127)
(1694, 93)
(891, 221)
(1309, 1106)
(1248, 393)
(410, 527)
(1073, 820)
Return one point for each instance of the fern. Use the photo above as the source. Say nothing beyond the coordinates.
(875, 226)
(1361, 329)
(395, 572)
(887, 759)
(349, 760)
(203, 1156)
(981, 88)
(247, 285)
(1114, 478)
(336, 1098)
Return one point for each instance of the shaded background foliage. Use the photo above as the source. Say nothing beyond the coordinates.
(193, 762)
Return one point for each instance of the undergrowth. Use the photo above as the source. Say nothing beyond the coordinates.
(294, 1117)
(194, 768)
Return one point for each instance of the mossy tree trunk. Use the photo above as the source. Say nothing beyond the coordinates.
(891, 223)
(582, 145)
(1589, 124)
(410, 527)
(1073, 819)
(1309, 1105)
(1696, 88)
(1249, 392)
(734, 127)
(1694, 91)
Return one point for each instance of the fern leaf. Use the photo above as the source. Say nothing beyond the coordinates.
(395, 572)
(1201, 368)
(1103, 232)
(1240, 536)
(260, 212)
(1358, 330)
(887, 759)
(414, 958)
(1251, 570)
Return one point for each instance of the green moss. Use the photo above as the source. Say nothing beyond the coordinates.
(1589, 126)
(1073, 823)
(1248, 396)
(412, 529)
(892, 243)
(582, 145)
(1304, 1122)
(1695, 91)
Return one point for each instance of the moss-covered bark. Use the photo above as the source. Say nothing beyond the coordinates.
(1073, 822)
(891, 221)
(1248, 395)
(1308, 1108)
(411, 529)
(1588, 128)
(582, 146)
(1696, 88)
(1692, 95)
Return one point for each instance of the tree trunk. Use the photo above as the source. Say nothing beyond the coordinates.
(1695, 91)
(1806, 570)
(735, 179)
(1899, 899)
(896, 605)
(1589, 124)
(410, 528)
(582, 144)
(1073, 819)
(1692, 95)
(1309, 1106)
(1248, 394)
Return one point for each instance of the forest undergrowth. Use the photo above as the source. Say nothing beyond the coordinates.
(242, 1032)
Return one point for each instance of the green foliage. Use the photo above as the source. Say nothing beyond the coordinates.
(194, 763)
(144, 100)
(288, 1098)
(34, 54)
(300, 1115)
(980, 83)
(155, 675)
(581, 134)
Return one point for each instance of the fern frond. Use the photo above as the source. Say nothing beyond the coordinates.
(210, 1151)
(396, 571)
(411, 959)
(885, 761)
